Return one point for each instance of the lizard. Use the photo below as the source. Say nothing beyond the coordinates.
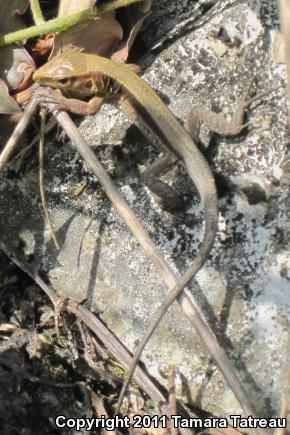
(81, 75)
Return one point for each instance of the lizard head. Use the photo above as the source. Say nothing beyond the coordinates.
(70, 73)
(57, 72)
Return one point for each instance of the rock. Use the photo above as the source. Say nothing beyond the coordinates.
(242, 290)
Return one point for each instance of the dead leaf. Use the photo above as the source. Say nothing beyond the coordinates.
(7, 104)
(44, 45)
(98, 36)
(131, 21)
(110, 35)
(15, 64)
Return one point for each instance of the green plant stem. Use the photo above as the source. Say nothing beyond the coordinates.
(62, 23)
(36, 12)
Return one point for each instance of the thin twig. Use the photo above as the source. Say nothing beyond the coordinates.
(91, 347)
(41, 179)
(17, 133)
(18, 158)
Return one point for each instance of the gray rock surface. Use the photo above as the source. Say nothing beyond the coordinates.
(243, 290)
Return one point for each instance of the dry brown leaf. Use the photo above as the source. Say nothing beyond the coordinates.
(134, 17)
(44, 45)
(106, 35)
(98, 36)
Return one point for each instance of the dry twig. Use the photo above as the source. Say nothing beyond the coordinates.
(41, 179)
(17, 133)
(18, 158)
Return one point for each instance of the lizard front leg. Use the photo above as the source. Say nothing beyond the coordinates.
(73, 105)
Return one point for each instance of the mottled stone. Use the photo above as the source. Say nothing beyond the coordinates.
(243, 290)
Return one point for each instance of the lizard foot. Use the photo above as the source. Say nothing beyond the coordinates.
(56, 99)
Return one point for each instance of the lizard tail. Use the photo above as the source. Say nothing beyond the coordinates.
(209, 196)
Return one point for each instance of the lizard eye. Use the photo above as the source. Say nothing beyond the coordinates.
(88, 84)
(64, 82)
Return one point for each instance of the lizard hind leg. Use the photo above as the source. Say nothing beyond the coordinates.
(216, 122)
(162, 192)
